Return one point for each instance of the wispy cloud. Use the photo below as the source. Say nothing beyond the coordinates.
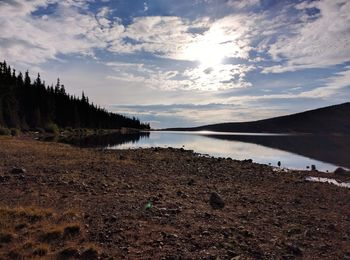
(241, 4)
(319, 39)
(28, 38)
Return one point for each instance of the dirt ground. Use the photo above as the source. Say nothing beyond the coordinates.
(58, 201)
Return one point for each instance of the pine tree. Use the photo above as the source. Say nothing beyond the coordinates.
(36, 105)
(27, 80)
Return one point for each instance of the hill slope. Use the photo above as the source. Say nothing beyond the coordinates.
(327, 120)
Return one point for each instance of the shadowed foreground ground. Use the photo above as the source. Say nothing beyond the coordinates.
(154, 203)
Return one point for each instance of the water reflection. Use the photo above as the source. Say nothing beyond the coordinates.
(334, 149)
(104, 141)
(293, 151)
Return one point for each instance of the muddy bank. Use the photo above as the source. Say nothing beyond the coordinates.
(57, 200)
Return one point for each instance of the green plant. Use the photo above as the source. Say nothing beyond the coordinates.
(69, 129)
(52, 128)
(15, 132)
(4, 131)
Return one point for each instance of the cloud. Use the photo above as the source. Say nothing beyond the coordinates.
(220, 77)
(242, 4)
(333, 86)
(160, 35)
(145, 7)
(73, 29)
(35, 39)
(182, 115)
(321, 38)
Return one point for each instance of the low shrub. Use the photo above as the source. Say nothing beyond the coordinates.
(4, 131)
(5, 238)
(68, 253)
(51, 235)
(52, 129)
(15, 132)
(69, 129)
(71, 230)
(90, 253)
(41, 250)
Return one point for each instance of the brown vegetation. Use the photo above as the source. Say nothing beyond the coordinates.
(159, 203)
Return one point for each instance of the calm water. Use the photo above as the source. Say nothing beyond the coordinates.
(293, 151)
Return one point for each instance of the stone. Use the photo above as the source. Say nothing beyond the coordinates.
(21, 177)
(295, 250)
(341, 171)
(16, 170)
(216, 202)
(191, 182)
(4, 178)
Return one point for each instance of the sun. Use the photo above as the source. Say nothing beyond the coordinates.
(210, 55)
(208, 50)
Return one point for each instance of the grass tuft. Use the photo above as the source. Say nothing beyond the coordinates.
(51, 235)
(68, 253)
(6, 238)
(71, 230)
(41, 250)
(90, 253)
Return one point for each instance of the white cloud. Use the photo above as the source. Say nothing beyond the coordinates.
(72, 29)
(159, 35)
(175, 37)
(26, 38)
(145, 7)
(176, 115)
(318, 40)
(229, 36)
(220, 77)
(241, 4)
(334, 84)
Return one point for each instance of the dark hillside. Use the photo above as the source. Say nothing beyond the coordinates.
(327, 120)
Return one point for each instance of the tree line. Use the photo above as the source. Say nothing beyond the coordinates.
(27, 104)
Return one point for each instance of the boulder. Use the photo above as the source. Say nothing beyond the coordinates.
(216, 202)
(342, 172)
(16, 170)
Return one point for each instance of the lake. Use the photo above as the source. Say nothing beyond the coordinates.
(293, 151)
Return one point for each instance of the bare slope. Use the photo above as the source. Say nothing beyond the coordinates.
(327, 120)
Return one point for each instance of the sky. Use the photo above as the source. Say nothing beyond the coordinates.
(185, 62)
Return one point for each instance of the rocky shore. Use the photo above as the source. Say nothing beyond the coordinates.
(58, 201)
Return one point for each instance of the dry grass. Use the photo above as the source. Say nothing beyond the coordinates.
(71, 230)
(90, 252)
(35, 232)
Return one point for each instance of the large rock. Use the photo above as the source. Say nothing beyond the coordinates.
(16, 170)
(216, 202)
(342, 172)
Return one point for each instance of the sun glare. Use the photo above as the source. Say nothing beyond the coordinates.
(210, 54)
(209, 50)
